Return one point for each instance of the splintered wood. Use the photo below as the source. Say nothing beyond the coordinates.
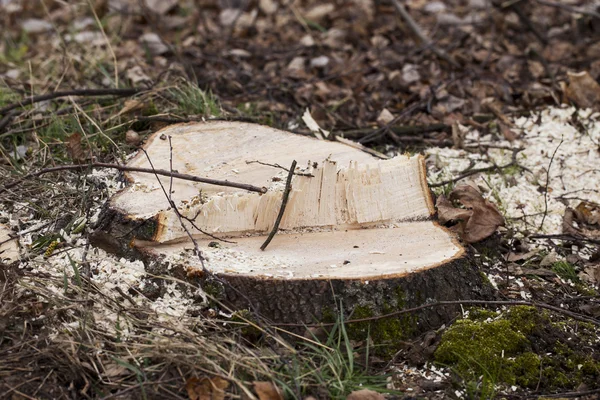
(352, 197)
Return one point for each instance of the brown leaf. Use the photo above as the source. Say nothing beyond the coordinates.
(131, 105)
(507, 132)
(206, 388)
(583, 90)
(581, 221)
(480, 218)
(591, 274)
(74, 148)
(447, 212)
(267, 391)
(365, 394)
(485, 218)
(160, 7)
(458, 136)
(588, 213)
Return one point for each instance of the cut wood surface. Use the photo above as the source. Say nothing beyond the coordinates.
(350, 218)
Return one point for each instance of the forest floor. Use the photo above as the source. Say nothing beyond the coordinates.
(502, 96)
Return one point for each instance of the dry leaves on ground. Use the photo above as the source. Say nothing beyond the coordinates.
(365, 394)
(478, 220)
(582, 221)
(267, 391)
(206, 388)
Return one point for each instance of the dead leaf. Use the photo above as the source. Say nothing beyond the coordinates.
(591, 274)
(137, 75)
(479, 220)
(206, 388)
(161, 7)
(268, 6)
(313, 125)
(385, 117)
(229, 16)
(267, 391)
(458, 136)
(507, 132)
(154, 44)
(494, 108)
(583, 90)
(9, 248)
(582, 221)
(365, 394)
(74, 148)
(114, 370)
(34, 25)
(447, 212)
(319, 12)
(449, 104)
(588, 213)
(549, 259)
(131, 105)
(410, 73)
(512, 257)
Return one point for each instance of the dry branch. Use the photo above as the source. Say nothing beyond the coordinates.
(78, 92)
(187, 177)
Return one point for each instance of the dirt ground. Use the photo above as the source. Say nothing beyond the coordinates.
(364, 72)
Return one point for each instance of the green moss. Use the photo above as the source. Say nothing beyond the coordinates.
(525, 319)
(483, 345)
(499, 348)
(481, 314)
(387, 333)
(526, 369)
(214, 289)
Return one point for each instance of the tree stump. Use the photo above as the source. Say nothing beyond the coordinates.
(357, 231)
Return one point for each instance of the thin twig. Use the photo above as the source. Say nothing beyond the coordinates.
(187, 177)
(78, 92)
(412, 24)
(400, 130)
(565, 394)
(578, 10)
(7, 119)
(473, 172)
(284, 200)
(566, 237)
(278, 166)
(547, 183)
(559, 310)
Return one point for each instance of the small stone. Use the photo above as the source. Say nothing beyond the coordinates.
(34, 25)
(154, 44)
(385, 117)
(307, 41)
(132, 137)
(410, 73)
(319, 62)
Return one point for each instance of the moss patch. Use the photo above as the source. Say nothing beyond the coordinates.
(521, 347)
(388, 334)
